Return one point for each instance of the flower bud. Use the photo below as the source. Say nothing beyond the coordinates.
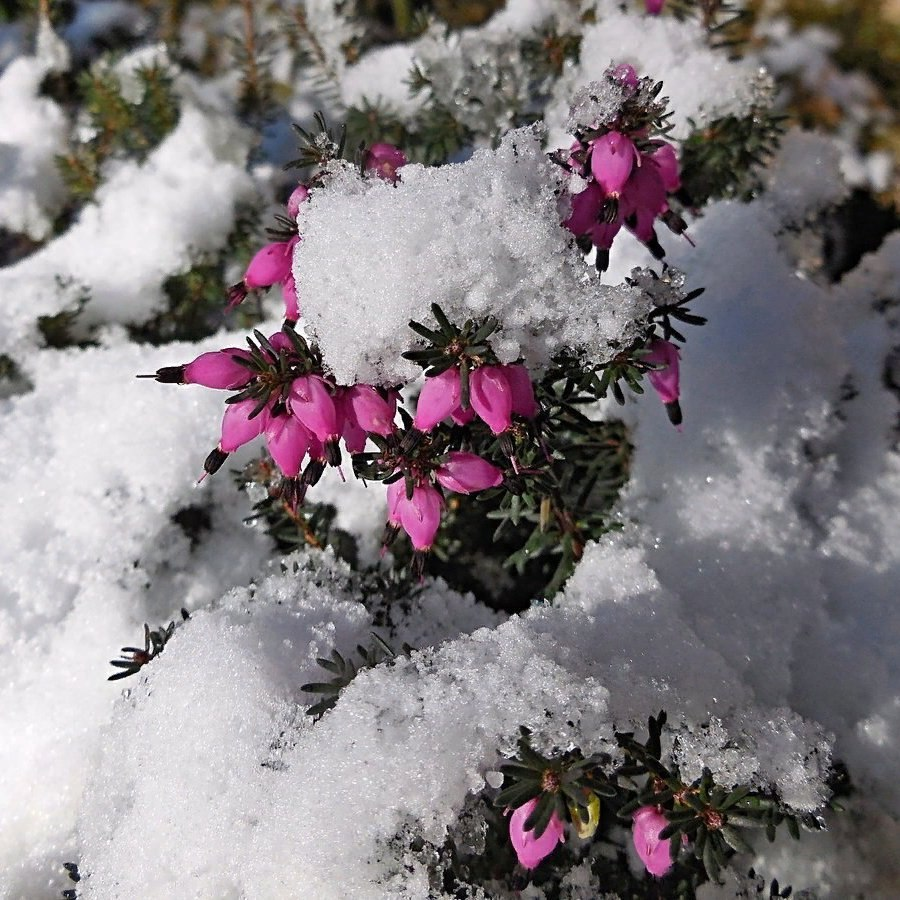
(420, 515)
(311, 402)
(613, 156)
(299, 195)
(237, 426)
(530, 849)
(667, 164)
(656, 855)
(439, 397)
(466, 472)
(384, 160)
(288, 442)
(371, 411)
(270, 265)
(523, 402)
(654, 6)
(665, 380)
(491, 397)
(624, 74)
(218, 369)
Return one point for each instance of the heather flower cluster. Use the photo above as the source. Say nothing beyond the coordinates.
(629, 173)
(474, 415)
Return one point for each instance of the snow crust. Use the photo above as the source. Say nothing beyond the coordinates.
(478, 238)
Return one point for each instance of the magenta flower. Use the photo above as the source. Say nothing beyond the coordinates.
(529, 849)
(587, 218)
(238, 428)
(656, 855)
(312, 403)
(288, 441)
(419, 515)
(666, 161)
(271, 265)
(384, 160)
(664, 379)
(299, 195)
(613, 156)
(370, 410)
(654, 6)
(439, 397)
(491, 397)
(624, 74)
(523, 402)
(467, 472)
(643, 200)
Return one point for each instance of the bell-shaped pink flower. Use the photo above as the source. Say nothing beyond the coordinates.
(665, 380)
(237, 426)
(666, 161)
(613, 156)
(218, 369)
(656, 855)
(281, 342)
(288, 442)
(654, 6)
(271, 265)
(396, 491)
(384, 160)
(523, 402)
(311, 402)
(289, 296)
(467, 472)
(299, 196)
(439, 397)
(529, 849)
(491, 397)
(624, 74)
(420, 515)
(643, 199)
(371, 411)
(587, 209)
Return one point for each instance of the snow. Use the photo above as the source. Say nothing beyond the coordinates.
(751, 591)
(489, 227)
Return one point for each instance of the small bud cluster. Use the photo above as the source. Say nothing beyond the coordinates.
(697, 827)
(629, 172)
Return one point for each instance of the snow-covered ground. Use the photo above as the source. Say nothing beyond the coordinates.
(754, 587)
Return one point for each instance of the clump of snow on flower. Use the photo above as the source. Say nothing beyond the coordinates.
(480, 238)
(700, 83)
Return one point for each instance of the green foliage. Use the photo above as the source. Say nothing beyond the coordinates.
(118, 127)
(59, 330)
(345, 670)
(724, 158)
(135, 658)
(289, 525)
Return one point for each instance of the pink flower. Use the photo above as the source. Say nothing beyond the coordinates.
(466, 472)
(643, 199)
(384, 160)
(370, 410)
(665, 379)
(272, 264)
(312, 403)
(654, 6)
(439, 397)
(419, 515)
(666, 161)
(523, 402)
(656, 855)
(586, 217)
(237, 426)
(491, 397)
(288, 442)
(529, 849)
(624, 74)
(299, 195)
(613, 156)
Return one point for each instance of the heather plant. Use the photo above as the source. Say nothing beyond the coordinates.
(505, 394)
